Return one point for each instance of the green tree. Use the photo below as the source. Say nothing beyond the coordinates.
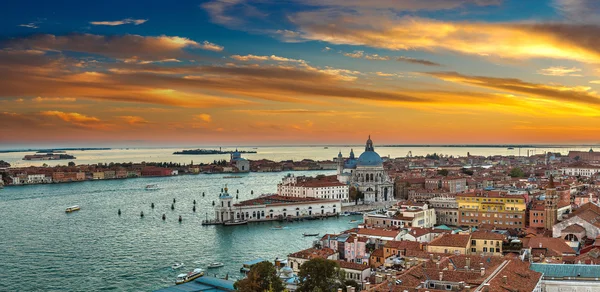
(355, 195)
(71, 163)
(516, 172)
(443, 172)
(320, 275)
(261, 277)
(466, 171)
(351, 283)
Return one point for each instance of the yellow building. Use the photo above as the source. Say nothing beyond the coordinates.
(491, 207)
(486, 243)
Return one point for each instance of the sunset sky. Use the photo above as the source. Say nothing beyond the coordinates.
(253, 72)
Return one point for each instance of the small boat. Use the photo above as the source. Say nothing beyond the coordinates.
(235, 222)
(151, 187)
(510, 148)
(345, 214)
(184, 278)
(72, 209)
(310, 234)
(279, 228)
(232, 176)
(215, 265)
(353, 221)
(325, 147)
(177, 266)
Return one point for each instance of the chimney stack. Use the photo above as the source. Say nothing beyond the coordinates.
(482, 271)
(340, 290)
(437, 264)
(505, 279)
(441, 276)
(450, 266)
(468, 260)
(486, 287)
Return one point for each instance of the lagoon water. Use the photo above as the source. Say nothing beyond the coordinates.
(42, 248)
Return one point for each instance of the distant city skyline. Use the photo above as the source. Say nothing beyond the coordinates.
(256, 72)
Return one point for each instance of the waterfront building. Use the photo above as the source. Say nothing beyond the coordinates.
(446, 210)
(241, 164)
(322, 187)
(491, 207)
(38, 179)
(295, 260)
(270, 207)
(366, 174)
(586, 156)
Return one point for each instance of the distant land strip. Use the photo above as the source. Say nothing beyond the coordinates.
(51, 150)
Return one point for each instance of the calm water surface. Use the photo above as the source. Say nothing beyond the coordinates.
(42, 248)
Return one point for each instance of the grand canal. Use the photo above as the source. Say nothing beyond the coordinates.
(42, 248)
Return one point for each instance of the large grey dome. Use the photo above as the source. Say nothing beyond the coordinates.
(369, 158)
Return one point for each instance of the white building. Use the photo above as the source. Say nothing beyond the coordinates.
(581, 170)
(295, 260)
(269, 207)
(446, 210)
(403, 216)
(366, 174)
(38, 179)
(326, 187)
(240, 163)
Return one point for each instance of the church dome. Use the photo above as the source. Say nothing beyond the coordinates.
(370, 158)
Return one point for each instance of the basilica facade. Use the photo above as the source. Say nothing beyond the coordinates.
(366, 174)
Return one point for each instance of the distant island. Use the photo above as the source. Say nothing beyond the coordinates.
(55, 150)
(49, 156)
(209, 151)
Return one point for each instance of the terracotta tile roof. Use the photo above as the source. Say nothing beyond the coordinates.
(554, 246)
(352, 266)
(487, 235)
(378, 232)
(312, 253)
(403, 244)
(518, 278)
(377, 253)
(453, 240)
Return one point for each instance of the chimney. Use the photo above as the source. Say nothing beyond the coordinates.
(482, 271)
(450, 266)
(431, 256)
(340, 290)
(349, 288)
(367, 286)
(468, 262)
(439, 257)
(486, 287)
(441, 276)
(437, 265)
(505, 279)
(540, 245)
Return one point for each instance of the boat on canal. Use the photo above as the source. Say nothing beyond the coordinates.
(72, 209)
(184, 278)
(215, 265)
(151, 187)
(177, 266)
(235, 222)
(279, 228)
(310, 234)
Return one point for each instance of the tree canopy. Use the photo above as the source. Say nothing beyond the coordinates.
(261, 277)
(516, 172)
(355, 195)
(320, 275)
(443, 172)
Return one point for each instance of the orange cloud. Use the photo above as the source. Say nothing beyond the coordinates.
(507, 40)
(134, 120)
(120, 22)
(204, 117)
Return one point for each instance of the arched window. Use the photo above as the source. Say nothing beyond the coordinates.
(262, 213)
(254, 214)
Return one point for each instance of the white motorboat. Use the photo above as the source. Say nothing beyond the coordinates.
(345, 214)
(215, 265)
(235, 222)
(177, 266)
(151, 187)
(72, 209)
(184, 278)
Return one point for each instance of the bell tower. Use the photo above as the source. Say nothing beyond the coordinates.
(550, 205)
